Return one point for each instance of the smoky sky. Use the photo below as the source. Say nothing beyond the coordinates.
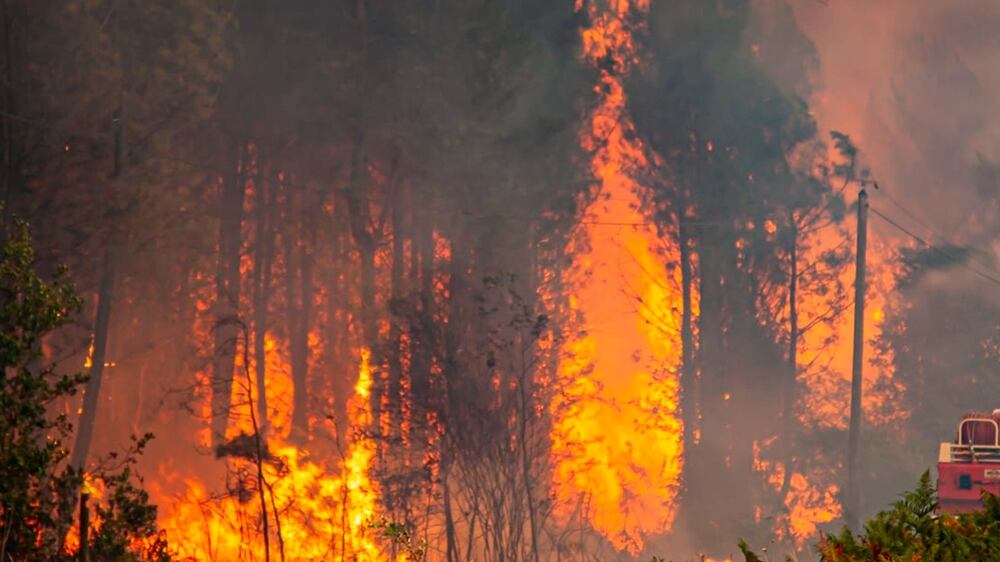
(915, 83)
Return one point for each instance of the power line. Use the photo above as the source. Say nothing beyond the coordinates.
(599, 222)
(882, 191)
(950, 257)
(937, 249)
(930, 229)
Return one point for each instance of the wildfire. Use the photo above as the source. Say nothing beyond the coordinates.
(827, 348)
(96, 491)
(314, 511)
(616, 436)
(825, 363)
(806, 503)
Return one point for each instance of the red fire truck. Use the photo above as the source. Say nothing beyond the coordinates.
(970, 464)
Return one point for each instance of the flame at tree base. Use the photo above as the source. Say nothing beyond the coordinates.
(314, 511)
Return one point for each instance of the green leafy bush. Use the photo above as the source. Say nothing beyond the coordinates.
(38, 491)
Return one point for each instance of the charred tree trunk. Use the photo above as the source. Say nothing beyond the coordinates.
(419, 348)
(753, 374)
(394, 353)
(450, 531)
(450, 359)
(13, 173)
(227, 297)
(525, 388)
(105, 295)
(689, 382)
(292, 245)
(92, 392)
(709, 470)
(261, 295)
(423, 336)
(364, 241)
(338, 335)
(788, 394)
(366, 249)
(300, 338)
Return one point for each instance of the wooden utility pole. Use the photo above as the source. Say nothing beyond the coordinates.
(852, 506)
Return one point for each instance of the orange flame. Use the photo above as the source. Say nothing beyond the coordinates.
(314, 512)
(829, 346)
(825, 359)
(616, 436)
(806, 504)
(96, 490)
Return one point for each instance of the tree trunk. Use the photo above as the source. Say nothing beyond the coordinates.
(300, 341)
(109, 274)
(526, 385)
(261, 292)
(292, 242)
(12, 158)
(88, 414)
(788, 409)
(339, 348)
(709, 473)
(394, 351)
(227, 298)
(754, 367)
(689, 382)
(423, 336)
(451, 554)
(364, 241)
(369, 329)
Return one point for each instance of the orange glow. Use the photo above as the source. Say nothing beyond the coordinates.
(840, 106)
(807, 504)
(827, 347)
(88, 361)
(825, 363)
(323, 509)
(97, 491)
(202, 331)
(616, 436)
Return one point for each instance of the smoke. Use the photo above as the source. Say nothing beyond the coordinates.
(439, 151)
(914, 84)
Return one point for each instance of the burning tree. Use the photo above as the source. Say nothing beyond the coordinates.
(523, 280)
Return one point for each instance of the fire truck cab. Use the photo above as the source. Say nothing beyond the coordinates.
(970, 464)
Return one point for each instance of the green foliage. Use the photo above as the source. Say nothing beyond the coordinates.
(401, 537)
(33, 506)
(911, 530)
(128, 521)
(37, 490)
